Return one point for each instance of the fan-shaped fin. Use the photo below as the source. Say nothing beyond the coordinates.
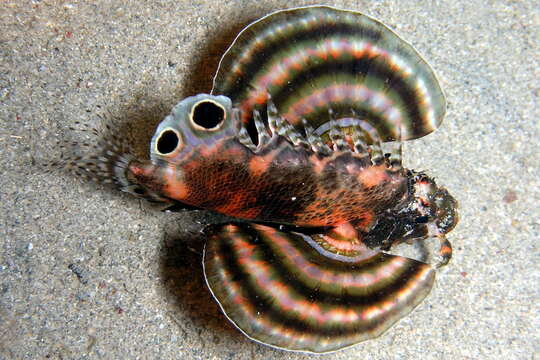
(104, 160)
(315, 59)
(284, 290)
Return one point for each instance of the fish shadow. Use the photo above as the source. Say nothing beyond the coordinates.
(183, 280)
(216, 42)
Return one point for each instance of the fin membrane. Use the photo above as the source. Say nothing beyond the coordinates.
(284, 290)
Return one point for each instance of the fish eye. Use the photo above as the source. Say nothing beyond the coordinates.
(168, 141)
(207, 115)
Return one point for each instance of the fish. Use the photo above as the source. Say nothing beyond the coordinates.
(299, 143)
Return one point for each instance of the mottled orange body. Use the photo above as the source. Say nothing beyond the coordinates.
(285, 184)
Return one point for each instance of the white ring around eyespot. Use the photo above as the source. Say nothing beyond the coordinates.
(200, 128)
(178, 146)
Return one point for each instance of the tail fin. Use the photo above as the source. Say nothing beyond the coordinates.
(105, 161)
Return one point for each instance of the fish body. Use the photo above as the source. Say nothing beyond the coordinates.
(301, 142)
(278, 182)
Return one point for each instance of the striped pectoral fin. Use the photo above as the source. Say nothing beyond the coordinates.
(285, 290)
(317, 59)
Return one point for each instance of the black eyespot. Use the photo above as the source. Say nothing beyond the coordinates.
(167, 142)
(208, 114)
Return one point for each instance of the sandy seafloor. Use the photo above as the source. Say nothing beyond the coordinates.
(140, 292)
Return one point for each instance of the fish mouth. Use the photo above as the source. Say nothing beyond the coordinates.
(446, 214)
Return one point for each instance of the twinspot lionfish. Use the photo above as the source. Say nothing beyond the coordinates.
(300, 142)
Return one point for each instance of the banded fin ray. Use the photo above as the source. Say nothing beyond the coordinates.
(284, 290)
(315, 59)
